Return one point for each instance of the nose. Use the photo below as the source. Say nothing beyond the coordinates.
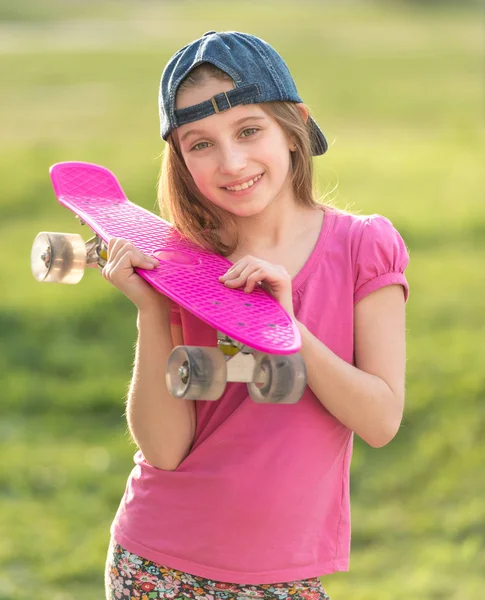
(232, 159)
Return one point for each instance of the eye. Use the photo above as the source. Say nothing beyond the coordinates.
(249, 131)
(200, 146)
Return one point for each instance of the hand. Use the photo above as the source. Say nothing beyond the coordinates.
(123, 257)
(250, 272)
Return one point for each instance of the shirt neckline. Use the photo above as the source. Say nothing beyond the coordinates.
(315, 256)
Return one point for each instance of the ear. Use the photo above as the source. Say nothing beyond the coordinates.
(305, 113)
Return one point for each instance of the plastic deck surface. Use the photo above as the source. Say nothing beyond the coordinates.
(187, 274)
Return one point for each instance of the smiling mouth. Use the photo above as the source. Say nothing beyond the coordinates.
(243, 186)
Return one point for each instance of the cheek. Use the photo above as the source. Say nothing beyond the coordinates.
(199, 172)
(275, 151)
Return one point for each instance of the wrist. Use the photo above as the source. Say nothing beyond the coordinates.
(153, 313)
(304, 334)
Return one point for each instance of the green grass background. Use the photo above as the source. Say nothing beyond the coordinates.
(398, 88)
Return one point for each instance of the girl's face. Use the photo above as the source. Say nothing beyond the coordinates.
(239, 158)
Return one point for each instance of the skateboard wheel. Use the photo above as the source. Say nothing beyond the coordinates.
(280, 379)
(195, 373)
(58, 257)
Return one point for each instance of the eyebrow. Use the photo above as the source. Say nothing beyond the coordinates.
(238, 122)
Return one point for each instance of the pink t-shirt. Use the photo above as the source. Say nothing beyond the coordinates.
(263, 496)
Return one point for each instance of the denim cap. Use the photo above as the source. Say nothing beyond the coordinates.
(257, 70)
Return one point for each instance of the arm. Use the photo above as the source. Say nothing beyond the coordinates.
(367, 398)
(162, 426)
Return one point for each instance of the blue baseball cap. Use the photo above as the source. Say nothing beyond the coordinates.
(258, 71)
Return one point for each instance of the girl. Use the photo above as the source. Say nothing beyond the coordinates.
(233, 499)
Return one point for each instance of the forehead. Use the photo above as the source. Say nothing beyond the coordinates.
(203, 91)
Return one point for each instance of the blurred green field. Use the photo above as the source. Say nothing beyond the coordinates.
(398, 89)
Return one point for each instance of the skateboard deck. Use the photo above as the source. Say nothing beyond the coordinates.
(187, 274)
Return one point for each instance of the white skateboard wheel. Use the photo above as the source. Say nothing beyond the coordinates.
(278, 379)
(195, 373)
(58, 257)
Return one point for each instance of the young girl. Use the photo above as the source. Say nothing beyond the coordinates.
(235, 499)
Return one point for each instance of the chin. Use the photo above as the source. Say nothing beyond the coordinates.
(245, 211)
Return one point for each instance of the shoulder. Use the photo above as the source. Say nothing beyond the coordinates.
(353, 227)
(360, 232)
(377, 251)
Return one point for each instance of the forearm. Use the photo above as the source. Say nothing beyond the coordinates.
(362, 402)
(162, 426)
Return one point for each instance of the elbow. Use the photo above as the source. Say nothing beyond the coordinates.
(162, 463)
(164, 459)
(165, 467)
(382, 435)
(381, 441)
(385, 429)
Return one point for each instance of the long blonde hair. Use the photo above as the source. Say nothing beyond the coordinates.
(199, 219)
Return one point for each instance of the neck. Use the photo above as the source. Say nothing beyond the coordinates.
(278, 225)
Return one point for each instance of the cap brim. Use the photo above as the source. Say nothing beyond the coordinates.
(318, 141)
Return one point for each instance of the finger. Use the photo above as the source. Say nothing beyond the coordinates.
(111, 243)
(130, 257)
(115, 245)
(120, 245)
(254, 280)
(237, 268)
(240, 280)
(126, 257)
(234, 271)
(138, 256)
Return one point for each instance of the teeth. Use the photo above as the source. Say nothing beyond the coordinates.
(243, 186)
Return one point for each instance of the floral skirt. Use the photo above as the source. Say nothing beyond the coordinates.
(130, 577)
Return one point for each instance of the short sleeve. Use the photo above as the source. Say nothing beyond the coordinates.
(381, 258)
(175, 318)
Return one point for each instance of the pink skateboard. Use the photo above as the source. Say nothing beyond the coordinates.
(258, 339)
